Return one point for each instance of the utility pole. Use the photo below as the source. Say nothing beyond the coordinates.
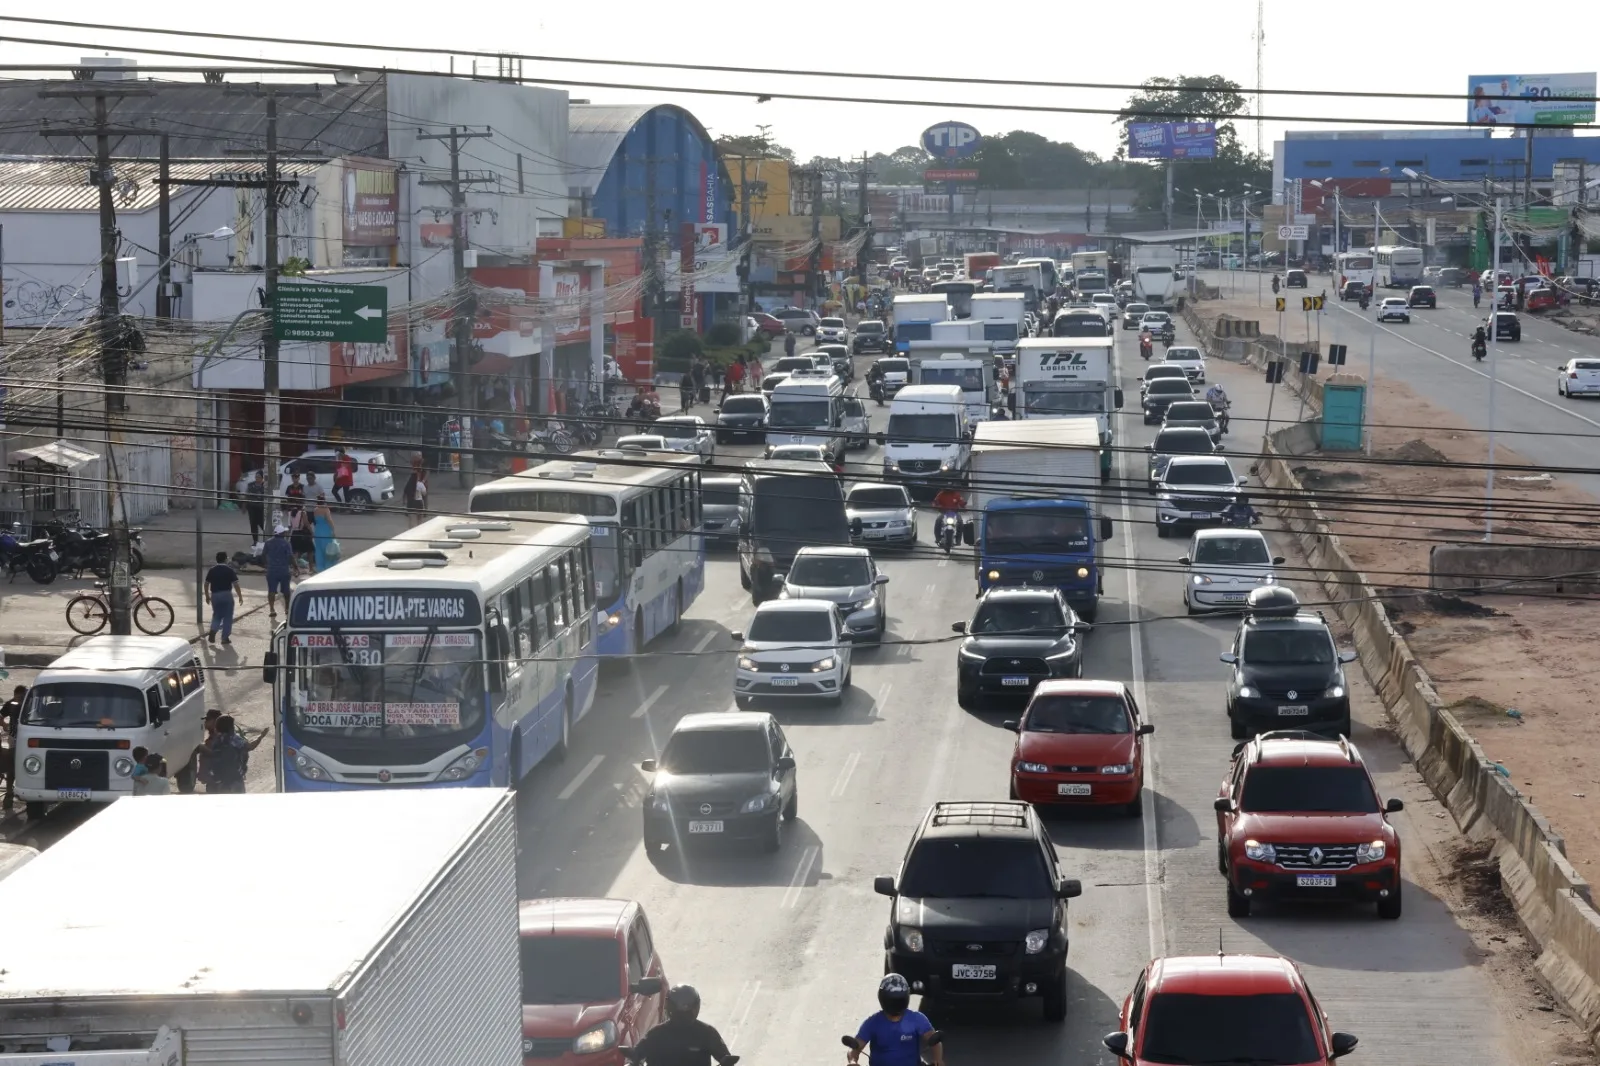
(816, 236)
(112, 339)
(1494, 308)
(466, 304)
(865, 252)
(164, 235)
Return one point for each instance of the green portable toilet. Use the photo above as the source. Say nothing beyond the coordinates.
(1344, 410)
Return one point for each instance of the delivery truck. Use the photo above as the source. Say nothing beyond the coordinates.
(318, 929)
(914, 316)
(1031, 486)
(1063, 377)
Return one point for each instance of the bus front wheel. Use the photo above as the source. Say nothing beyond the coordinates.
(566, 726)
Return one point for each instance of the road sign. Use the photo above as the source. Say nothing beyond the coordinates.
(950, 140)
(1293, 233)
(1281, 304)
(1308, 363)
(687, 321)
(355, 314)
(1310, 303)
(1274, 371)
(938, 174)
(1336, 354)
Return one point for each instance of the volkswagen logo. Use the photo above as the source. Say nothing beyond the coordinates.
(76, 764)
(705, 808)
(1038, 575)
(974, 947)
(1316, 856)
(384, 777)
(784, 668)
(1293, 694)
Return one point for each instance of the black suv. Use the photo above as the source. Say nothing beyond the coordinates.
(1287, 670)
(870, 336)
(1422, 296)
(1294, 279)
(979, 909)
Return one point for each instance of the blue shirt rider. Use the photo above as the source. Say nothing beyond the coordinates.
(896, 1035)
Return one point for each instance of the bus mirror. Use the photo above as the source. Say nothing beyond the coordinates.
(1105, 529)
(968, 533)
(269, 667)
(1116, 398)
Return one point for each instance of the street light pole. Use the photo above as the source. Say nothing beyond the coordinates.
(1372, 335)
(1494, 307)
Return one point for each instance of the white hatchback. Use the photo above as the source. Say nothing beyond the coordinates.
(1192, 359)
(794, 648)
(1578, 377)
(1223, 567)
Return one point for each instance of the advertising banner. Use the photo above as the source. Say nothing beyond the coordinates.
(371, 203)
(687, 319)
(1172, 140)
(1530, 99)
(568, 289)
(948, 174)
(951, 140)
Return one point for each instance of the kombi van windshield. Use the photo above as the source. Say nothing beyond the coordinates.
(386, 685)
(798, 414)
(85, 704)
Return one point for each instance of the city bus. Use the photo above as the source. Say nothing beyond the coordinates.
(645, 520)
(1352, 266)
(1398, 266)
(958, 294)
(459, 653)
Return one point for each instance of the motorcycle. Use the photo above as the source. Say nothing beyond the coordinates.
(1479, 349)
(947, 530)
(33, 556)
(81, 548)
(1221, 408)
(1366, 301)
(1169, 336)
(1146, 349)
(877, 392)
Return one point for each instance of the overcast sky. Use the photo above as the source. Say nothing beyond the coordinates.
(1306, 48)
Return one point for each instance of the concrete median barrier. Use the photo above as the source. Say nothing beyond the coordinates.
(1562, 568)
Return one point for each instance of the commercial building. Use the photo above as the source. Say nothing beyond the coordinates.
(1447, 155)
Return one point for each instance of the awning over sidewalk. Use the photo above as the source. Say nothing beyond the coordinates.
(57, 454)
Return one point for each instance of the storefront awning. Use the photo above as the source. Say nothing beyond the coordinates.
(58, 454)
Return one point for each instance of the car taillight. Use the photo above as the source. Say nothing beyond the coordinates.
(1572, 374)
(372, 466)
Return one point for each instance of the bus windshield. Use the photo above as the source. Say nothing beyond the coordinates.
(385, 686)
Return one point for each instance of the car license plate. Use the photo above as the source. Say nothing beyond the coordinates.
(874, 534)
(968, 972)
(1315, 880)
(1202, 514)
(72, 794)
(1013, 681)
(697, 828)
(785, 682)
(1291, 710)
(1233, 597)
(1073, 790)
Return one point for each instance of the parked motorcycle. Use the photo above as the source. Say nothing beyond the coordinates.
(80, 547)
(33, 556)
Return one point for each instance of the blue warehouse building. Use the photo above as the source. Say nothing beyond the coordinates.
(1449, 155)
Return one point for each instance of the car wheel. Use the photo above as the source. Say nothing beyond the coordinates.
(967, 699)
(1055, 998)
(744, 579)
(1222, 859)
(1389, 907)
(1237, 729)
(1238, 905)
(772, 839)
(1136, 808)
(1188, 607)
(791, 810)
(357, 501)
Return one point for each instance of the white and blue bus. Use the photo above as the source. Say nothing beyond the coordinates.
(644, 512)
(459, 653)
(1398, 266)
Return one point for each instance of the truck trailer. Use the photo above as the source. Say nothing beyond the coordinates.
(312, 929)
(1066, 377)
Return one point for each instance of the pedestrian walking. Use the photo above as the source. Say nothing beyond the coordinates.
(193, 771)
(756, 374)
(10, 715)
(788, 344)
(685, 392)
(736, 373)
(344, 476)
(416, 495)
(326, 548)
(278, 557)
(227, 758)
(222, 581)
(255, 506)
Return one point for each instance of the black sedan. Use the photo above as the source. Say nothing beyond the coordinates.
(1162, 393)
(1422, 296)
(1017, 638)
(1507, 327)
(723, 775)
(742, 418)
(870, 336)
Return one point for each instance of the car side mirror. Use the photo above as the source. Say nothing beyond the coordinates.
(1342, 1044)
(1241, 481)
(1071, 888)
(1105, 528)
(1183, 560)
(1394, 806)
(737, 634)
(1011, 725)
(1347, 656)
(648, 766)
(1228, 657)
(269, 667)
(1116, 398)
(160, 715)
(647, 986)
(786, 762)
(881, 579)
(1149, 447)
(958, 627)
(878, 439)
(715, 411)
(1117, 1044)
(883, 886)
(1145, 730)
(1277, 560)
(1222, 805)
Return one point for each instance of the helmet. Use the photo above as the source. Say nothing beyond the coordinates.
(683, 1002)
(894, 994)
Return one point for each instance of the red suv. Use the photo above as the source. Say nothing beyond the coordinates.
(1298, 816)
(1078, 743)
(1225, 1008)
(591, 980)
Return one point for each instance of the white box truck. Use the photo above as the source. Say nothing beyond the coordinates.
(1155, 278)
(914, 315)
(1019, 279)
(1003, 316)
(314, 929)
(1061, 377)
(971, 371)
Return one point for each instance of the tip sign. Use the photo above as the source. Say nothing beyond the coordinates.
(950, 140)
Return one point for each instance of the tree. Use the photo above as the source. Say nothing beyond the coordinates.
(758, 145)
(903, 166)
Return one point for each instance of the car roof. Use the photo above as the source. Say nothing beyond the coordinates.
(1014, 592)
(724, 721)
(1228, 534)
(795, 606)
(871, 485)
(1198, 460)
(1191, 403)
(1301, 749)
(680, 419)
(1077, 686)
(1184, 430)
(973, 818)
(568, 915)
(1224, 975)
(833, 549)
(1163, 365)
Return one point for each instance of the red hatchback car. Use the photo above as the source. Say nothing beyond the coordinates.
(1078, 744)
(767, 325)
(1225, 1008)
(591, 980)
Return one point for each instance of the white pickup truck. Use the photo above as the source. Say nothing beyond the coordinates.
(1192, 359)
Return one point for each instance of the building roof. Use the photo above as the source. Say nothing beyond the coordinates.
(201, 119)
(596, 131)
(63, 185)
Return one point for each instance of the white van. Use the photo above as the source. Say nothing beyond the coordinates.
(928, 443)
(90, 708)
(808, 408)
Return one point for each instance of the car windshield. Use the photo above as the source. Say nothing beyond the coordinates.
(1198, 443)
(678, 430)
(1344, 789)
(717, 751)
(1041, 616)
(1288, 647)
(743, 405)
(915, 428)
(829, 571)
(798, 414)
(1200, 474)
(1231, 551)
(1105, 715)
(1187, 355)
(84, 704)
(1190, 412)
(1394, 301)
(719, 494)
(1268, 1029)
(1044, 530)
(980, 868)
(1156, 318)
(570, 969)
(1046, 401)
(790, 363)
(833, 323)
(1137, 309)
(869, 327)
(1177, 386)
(791, 627)
(1173, 373)
(878, 496)
(812, 452)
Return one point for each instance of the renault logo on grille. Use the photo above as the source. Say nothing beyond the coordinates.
(1316, 856)
(1293, 694)
(705, 808)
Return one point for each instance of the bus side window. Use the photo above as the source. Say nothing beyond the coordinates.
(695, 501)
(569, 589)
(538, 618)
(552, 588)
(587, 574)
(633, 533)
(515, 612)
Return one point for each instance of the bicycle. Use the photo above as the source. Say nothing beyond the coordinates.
(89, 613)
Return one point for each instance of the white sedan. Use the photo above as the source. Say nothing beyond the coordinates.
(1578, 377)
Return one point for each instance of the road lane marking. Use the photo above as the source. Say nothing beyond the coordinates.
(843, 780)
(650, 701)
(705, 642)
(797, 883)
(583, 775)
(747, 996)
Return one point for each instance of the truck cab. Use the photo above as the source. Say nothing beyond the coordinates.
(1042, 543)
(928, 442)
(808, 408)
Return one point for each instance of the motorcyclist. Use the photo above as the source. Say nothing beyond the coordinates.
(1274, 283)
(1480, 340)
(950, 502)
(1217, 397)
(683, 1039)
(896, 1035)
(1477, 293)
(1240, 513)
(1146, 344)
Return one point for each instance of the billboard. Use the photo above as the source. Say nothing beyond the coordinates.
(1530, 99)
(949, 174)
(950, 140)
(1172, 140)
(371, 203)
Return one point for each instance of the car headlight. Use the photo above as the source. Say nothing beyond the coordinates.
(1033, 767)
(912, 940)
(1118, 768)
(123, 766)
(1373, 852)
(947, 464)
(658, 802)
(465, 766)
(1036, 941)
(827, 663)
(1254, 849)
(747, 663)
(599, 1038)
(1201, 579)
(1246, 692)
(308, 768)
(1336, 692)
(756, 804)
(971, 656)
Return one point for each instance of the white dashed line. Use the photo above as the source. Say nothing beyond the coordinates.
(797, 883)
(650, 701)
(583, 775)
(705, 642)
(842, 782)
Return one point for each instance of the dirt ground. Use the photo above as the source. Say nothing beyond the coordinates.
(1518, 670)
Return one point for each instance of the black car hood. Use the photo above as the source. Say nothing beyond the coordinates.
(975, 919)
(717, 788)
(1001, 645)
(1310, 676)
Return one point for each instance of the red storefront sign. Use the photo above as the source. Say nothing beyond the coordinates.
(350, 364)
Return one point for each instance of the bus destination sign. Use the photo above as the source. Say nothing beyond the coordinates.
(378, 608)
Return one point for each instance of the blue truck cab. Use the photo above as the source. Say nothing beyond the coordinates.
(1051, 542)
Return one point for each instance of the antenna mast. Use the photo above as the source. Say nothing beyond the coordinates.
(1261, 36)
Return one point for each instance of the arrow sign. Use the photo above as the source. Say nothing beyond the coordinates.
(354, 314)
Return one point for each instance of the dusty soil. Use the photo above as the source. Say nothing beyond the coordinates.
(1517, 669)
